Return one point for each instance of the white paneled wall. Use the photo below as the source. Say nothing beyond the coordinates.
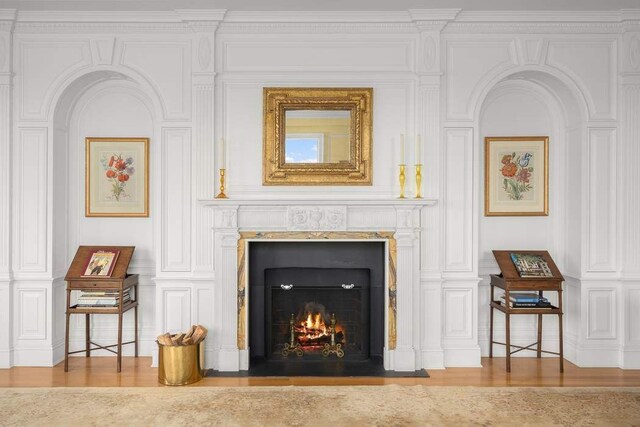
(187, 79)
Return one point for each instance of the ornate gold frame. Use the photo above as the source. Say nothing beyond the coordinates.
(319, 235)
(487, 165)
(87, 196)
(357, 172)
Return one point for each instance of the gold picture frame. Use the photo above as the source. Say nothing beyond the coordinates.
(354, 169)
(516, 176)
(116, 177)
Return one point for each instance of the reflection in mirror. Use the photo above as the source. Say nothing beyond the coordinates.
(317, 136)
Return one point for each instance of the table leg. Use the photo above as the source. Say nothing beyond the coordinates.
(508, 340)
(135, 338)
(66, 334)
(491, 324)
(561, 340)
(87, 339)
(491, 332)
(119, 355)
(539, 352)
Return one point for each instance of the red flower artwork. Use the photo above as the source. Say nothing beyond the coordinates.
(118, 170)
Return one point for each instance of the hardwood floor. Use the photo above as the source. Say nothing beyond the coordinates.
(101, 372)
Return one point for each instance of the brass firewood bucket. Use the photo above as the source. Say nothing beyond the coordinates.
(180, 364)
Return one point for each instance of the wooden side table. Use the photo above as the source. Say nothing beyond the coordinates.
(119, 281)
(509, 280)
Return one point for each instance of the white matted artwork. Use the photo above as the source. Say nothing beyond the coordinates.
(516, 176)
(117, 177)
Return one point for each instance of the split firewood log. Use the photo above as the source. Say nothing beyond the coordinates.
(190, 332)
(165, 339)
(177, 339)
(195, 335)
(199, 334)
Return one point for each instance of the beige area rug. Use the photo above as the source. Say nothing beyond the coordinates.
(393, 405)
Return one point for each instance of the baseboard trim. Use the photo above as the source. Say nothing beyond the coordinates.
(464, 357)
(433, 359)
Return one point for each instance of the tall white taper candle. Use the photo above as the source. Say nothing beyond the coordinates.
(223, 160)
(418, 150)
(402, 162)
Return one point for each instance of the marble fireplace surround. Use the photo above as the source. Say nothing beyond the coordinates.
(395, 222)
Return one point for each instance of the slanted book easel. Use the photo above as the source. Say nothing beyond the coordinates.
(102, 268)
(510, 280)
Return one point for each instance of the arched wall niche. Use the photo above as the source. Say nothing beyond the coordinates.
(101, 104)
(525, 99)
(533, 103)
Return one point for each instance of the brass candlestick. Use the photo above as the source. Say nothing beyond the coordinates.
(418, 181)
(402, 180)
(221, 194)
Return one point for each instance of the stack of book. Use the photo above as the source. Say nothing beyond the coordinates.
(105, 299)
(525, 300)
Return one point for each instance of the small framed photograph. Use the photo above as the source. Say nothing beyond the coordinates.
(516, 180)
(100, 263)
(117, 177)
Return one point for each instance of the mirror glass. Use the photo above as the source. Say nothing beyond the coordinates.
(317, 136)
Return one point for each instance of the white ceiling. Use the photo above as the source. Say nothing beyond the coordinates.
(322, 5)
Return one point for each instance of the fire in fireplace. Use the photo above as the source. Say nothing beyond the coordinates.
(314, 331)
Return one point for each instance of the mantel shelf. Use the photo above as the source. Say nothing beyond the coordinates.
(280, 201)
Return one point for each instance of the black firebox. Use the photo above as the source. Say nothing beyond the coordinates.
(316, 305)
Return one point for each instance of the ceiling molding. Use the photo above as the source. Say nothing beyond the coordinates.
(434, 14)
(8, 14)
(546, 16)
(418, 16)
(201, 14)
(177, 16)
(297, 17)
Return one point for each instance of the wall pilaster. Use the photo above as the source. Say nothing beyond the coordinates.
(7, 18)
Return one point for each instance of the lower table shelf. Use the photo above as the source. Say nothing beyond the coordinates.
(528, 310)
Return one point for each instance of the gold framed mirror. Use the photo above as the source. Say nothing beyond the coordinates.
(317, 136)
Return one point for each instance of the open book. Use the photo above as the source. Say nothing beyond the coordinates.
(529, 265)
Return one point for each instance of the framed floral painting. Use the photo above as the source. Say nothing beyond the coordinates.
(117, 177)
(516, 180)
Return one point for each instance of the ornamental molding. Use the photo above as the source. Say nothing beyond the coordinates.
(534, 28)
(111, 27)
(316, 28)
(310, 218)
(204, 53)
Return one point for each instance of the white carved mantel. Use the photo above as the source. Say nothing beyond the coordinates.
(402, 217)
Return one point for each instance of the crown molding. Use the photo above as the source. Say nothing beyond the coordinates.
(298, 17)
(630, 14)
(547, 16)
(8, 14)
(434, 14)
(121, 17)
(201, 14)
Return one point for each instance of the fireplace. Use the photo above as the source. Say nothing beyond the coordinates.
(316, 305)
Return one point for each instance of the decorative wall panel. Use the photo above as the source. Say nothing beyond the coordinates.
(40, 66)
(31, 196)
(602, 313)
(602, 200)
(32, 312)
(166, 66)
(176, 199)
(176, 309)
(458, 199)
(590, 64)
